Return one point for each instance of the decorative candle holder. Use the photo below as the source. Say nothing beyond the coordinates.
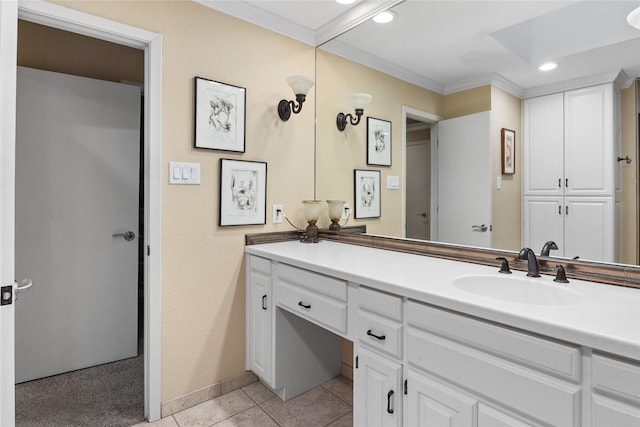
(311, 213)
(335, 213)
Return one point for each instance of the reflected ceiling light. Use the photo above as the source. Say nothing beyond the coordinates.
(547, 66)
(359, 100)
(345, 1)
(384, 17)
(300, 86)
(634, 18)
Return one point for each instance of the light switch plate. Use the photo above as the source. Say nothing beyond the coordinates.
(184, 173)
(393, 182)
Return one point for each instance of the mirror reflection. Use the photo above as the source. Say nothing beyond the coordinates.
(452, 77)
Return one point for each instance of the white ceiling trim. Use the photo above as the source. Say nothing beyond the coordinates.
(490, 79)
(254, 15)
(618, 77)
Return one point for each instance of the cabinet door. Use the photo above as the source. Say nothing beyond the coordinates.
(259, 322)
(378, 391)
(542, 145)
(543, 221)
(588, 141)
(589, 229)
(433, 403)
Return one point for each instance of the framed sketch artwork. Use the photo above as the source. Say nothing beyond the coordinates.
(243, 192)
(508, 151)
(367, 193)
(378, 142)
(219, 116)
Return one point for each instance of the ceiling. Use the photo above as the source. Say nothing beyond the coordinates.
(451, 45)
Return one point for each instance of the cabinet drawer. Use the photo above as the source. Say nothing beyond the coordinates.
(325, 311)
(325, 285)
(380, 333)
(551, 400)
(380, 303)
(546, 355)
(260, 264)
(617, 376)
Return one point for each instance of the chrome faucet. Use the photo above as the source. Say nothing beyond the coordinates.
(547, 248)
(532, 262)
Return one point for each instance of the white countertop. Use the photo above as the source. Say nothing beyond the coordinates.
(607, 319)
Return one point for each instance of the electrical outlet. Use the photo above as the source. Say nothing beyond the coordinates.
(346, 210)
(277, 214)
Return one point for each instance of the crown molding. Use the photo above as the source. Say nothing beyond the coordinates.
(489, 79)
(619, 78)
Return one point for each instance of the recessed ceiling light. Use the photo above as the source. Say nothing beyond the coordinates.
(548, 66)
(345, 1)
(634, 18)
(384, 17)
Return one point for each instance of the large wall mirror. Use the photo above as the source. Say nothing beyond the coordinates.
(460, 71)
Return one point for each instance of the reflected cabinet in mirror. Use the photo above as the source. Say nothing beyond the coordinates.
(454, 78)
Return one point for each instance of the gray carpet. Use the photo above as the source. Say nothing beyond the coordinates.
(107, 395)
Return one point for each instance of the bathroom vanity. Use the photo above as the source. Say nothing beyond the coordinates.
(441, 342)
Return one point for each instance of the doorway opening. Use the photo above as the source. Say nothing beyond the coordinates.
(46, 48)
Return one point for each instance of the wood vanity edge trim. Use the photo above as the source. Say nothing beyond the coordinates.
(620, 275)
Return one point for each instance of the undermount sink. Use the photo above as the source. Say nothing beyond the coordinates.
(523, 290)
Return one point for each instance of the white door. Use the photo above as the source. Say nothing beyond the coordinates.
(464, 180)
(418, 191)
(77, 184)
(8, 43)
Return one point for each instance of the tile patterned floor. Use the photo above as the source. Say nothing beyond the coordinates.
(329, 405)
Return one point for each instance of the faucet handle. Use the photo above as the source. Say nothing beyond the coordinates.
(504, 268)
(561, 275)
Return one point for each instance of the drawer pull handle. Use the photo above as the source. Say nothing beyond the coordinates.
(303, 305)
(389, 396)
(380, 337)
(264, 302)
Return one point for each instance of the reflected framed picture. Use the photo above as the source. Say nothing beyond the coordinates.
(219, 116)
(366, 193)
(378, 142)
(243, 192)
(508, 151)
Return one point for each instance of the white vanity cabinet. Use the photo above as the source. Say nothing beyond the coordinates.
(259, 318)
(569, 163)
(427, 354)
(378, 351)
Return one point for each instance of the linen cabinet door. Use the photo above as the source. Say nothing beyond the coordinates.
(378, 391)
(434, 403)
(543, 220)
(589, 228)
(259, 318)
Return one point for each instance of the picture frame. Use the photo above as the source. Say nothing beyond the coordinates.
(378, 142)
(508, 138)
(243, 192)
(220, 111)
(366, 186)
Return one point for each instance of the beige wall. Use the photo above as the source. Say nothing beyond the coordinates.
(203, 294)
(339, 153)
(507, 202)
(467, 102)
(629, 180)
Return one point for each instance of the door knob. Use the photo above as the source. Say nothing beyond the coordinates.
(422, 214)
(24, 285)
(482, 228)
(127, 235)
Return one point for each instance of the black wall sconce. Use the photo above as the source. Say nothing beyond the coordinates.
(300, 86)
(359, 100)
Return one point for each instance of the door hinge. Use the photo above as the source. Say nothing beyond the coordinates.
(7, 295)
(405, 387)
(356, 362)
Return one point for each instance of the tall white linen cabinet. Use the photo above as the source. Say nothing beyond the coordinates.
(570, 148)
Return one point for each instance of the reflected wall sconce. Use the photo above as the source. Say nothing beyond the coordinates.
(359, 100)
(300, 86)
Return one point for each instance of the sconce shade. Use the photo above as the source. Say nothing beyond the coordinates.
(300, 84)
(634, 18)
(360, 100)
